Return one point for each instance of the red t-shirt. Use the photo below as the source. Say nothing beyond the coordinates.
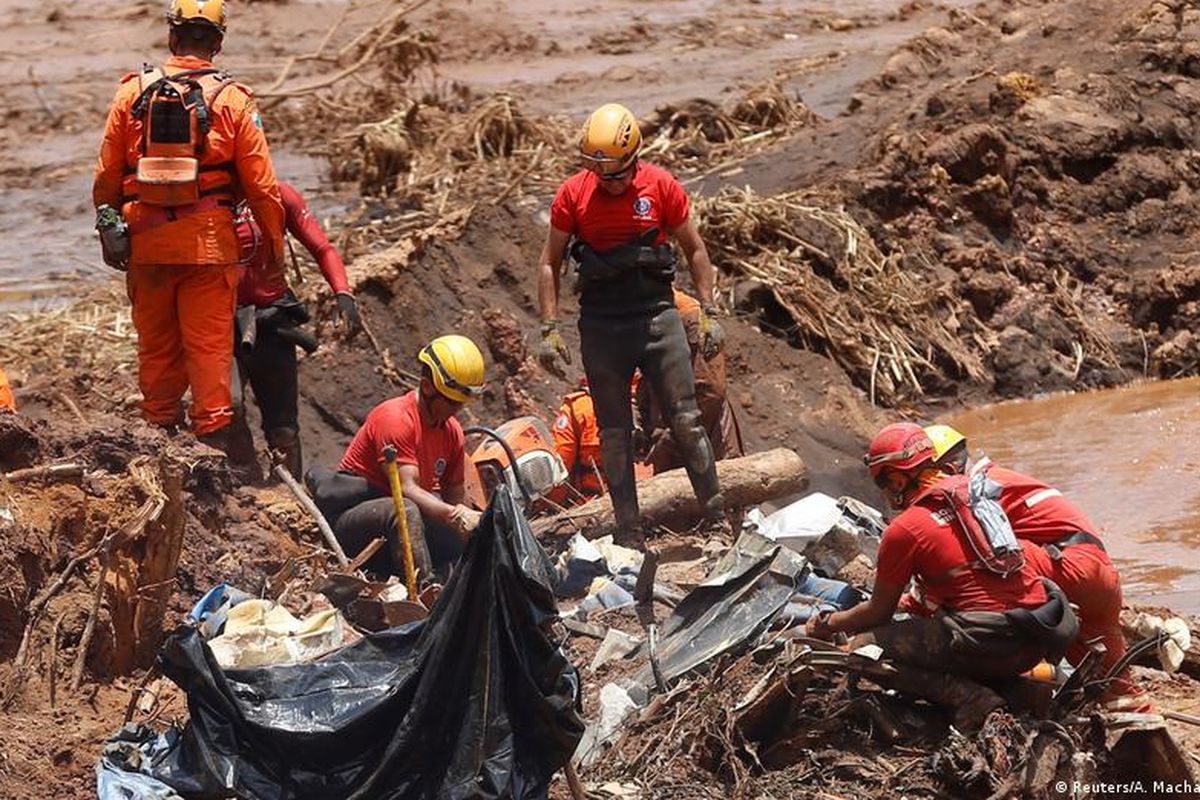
(260, 284)
(436, 452)
(653, 199)
(1038, 512)
(927, 543)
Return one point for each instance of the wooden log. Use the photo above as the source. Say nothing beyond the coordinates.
(667, 499)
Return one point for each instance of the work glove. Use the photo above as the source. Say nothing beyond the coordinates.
(464, 519)
(712, 335)
(347, 313)
(552, 348)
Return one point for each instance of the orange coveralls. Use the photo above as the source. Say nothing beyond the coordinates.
(183, 273)
(7, 403)
(577, 439)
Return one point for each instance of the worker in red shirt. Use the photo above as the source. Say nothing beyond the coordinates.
(266, 355)
(716, 413)
(356, 499)
(621, 212)
(182, 145)
(1068, 552)
(990, 626)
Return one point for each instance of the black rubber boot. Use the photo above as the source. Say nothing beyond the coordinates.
(616, 448)
(237, 443)
(699, 461)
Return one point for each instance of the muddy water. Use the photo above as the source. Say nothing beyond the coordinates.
(39, 270)
(48, 251)
(1129, 458)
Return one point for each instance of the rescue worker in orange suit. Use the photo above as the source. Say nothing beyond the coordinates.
(267, 355)
(356, 499)
(182, 145)
(7, 402)
(1067, 551)
(621, 211)
(577, 440)
(716, 414)
(990, 626)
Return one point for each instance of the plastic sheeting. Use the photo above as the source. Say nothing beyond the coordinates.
(474, 702)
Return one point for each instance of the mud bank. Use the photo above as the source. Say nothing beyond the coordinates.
(1022, 173)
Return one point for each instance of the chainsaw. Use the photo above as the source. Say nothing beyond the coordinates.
(519, 454)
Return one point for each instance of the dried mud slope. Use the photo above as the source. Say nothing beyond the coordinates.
(1035, 165)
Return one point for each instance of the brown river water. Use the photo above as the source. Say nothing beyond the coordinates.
(1127, 457)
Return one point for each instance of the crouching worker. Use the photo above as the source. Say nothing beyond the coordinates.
(1067, 551)
(429, 441)
(994, 619)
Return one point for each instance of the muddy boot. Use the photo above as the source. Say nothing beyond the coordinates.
(236, 442)
(284, 444)
(616, 449)
(699, 462)
(243, 458)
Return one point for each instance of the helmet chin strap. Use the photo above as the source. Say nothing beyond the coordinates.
(917, 481)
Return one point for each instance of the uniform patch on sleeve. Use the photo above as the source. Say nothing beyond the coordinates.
(258, 120)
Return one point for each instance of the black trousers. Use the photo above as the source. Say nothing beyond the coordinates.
(270, 369)
(435, 547)
(654, 342)
(613, 347)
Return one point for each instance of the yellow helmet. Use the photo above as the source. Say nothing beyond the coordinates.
(456, 366)
(949, 447)
(611, 138)
(208, 12)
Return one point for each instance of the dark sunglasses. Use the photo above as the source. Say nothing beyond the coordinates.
(619, 175)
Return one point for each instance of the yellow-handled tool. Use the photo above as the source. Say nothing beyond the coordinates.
(393, 471)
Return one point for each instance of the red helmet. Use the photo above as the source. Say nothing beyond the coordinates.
(900, 446)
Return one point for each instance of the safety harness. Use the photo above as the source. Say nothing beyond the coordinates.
(656, 262)
(176, 115)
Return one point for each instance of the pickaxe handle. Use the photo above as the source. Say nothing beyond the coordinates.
(393, 471)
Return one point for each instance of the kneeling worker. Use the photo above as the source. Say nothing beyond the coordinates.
(996, 617)
(429, 443)
(1068, 552)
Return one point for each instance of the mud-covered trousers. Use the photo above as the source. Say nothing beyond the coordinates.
(948, 659)
(435, 546)
(612, 349)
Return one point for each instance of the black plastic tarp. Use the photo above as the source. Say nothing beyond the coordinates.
(474, 702)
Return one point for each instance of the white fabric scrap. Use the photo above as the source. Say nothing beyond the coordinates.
(1172, 650)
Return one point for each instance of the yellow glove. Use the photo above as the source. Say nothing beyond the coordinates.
(712, 335)
(553, 348)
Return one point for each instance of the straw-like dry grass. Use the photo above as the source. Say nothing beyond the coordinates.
(880, 319)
